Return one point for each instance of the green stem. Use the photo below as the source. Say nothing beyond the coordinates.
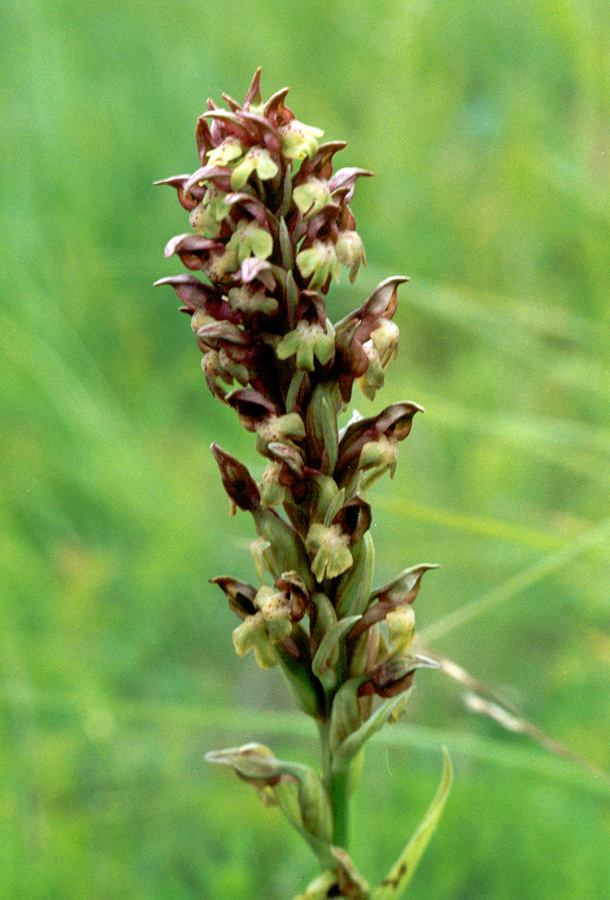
(337, 784)
(338, 790)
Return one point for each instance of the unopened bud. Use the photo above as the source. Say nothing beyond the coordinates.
(236, 480)
(251, 761)
(272, 492)
(401, 628)
(350, 252)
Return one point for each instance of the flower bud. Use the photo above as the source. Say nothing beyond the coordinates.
(350, 252)
(380, 350)
(236, 480)
(272, 492)
(254, 762)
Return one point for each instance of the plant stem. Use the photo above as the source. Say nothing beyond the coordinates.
(338, 791)
(337, 784)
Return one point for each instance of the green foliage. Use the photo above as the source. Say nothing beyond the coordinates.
(488, 127)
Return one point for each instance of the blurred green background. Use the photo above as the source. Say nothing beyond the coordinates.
(488, 125)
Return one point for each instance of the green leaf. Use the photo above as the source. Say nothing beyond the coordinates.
(329, 430)
(305, 690)
(354, 586)
(286, 246)
(334, 506)
(355, 742)
(397, 879)
(325, 660)
(346, 715)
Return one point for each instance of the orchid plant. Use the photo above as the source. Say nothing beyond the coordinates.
(271, 227)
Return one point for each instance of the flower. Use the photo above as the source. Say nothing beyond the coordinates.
(271, 226)
(299, 140)
(258, 160)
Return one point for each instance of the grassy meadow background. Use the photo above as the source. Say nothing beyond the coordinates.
(488, 125)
